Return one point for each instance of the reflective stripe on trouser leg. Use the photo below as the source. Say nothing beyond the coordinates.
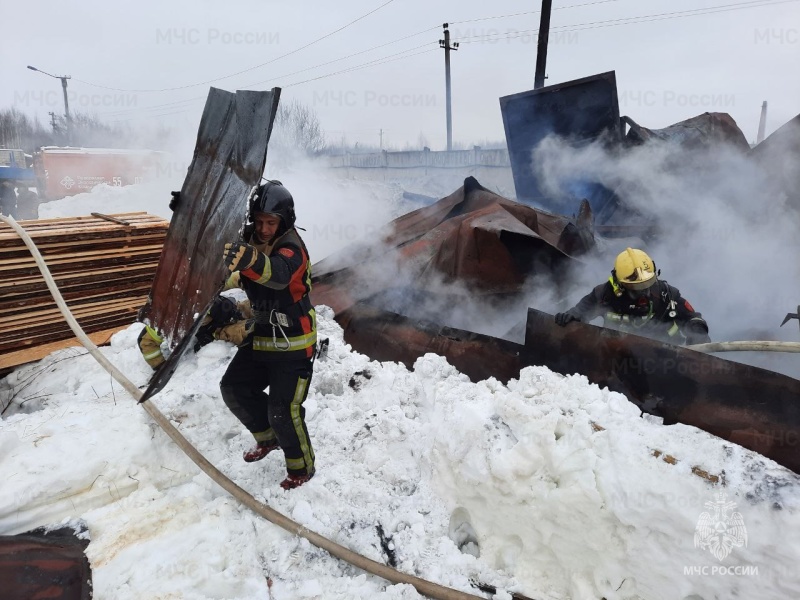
(307, 462)
(265, 436)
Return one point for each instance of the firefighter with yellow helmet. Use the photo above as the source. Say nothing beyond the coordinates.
(635, 300)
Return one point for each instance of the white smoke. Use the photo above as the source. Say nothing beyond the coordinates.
(728, 236)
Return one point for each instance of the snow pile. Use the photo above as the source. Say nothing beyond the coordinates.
(152, 197)
(558, 477)
(570, 493)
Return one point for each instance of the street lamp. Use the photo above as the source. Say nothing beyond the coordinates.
(66, 102)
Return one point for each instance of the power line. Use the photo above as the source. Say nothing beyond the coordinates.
(183, 87)
(274, 81)
(630, 20)
(372, 63)
(532, 12)
(467, 39)
(359, 67)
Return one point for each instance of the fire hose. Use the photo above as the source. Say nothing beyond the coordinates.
(765, 346)
(424, 587)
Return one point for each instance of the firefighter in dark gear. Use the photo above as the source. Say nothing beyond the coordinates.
(635, 300)
(27, 202)
(8, 199)
(273, 268)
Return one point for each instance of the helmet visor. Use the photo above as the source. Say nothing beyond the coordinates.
(639, 286)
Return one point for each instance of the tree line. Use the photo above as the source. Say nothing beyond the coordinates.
(296, 128)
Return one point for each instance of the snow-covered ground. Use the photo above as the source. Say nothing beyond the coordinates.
(570, 492)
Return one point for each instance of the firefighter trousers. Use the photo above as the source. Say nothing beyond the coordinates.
(277, 414)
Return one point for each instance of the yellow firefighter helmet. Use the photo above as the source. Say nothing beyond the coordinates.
(635, 270)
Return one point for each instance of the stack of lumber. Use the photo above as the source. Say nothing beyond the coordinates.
(103, 265)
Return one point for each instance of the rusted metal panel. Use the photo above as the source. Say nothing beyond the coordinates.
(40, 564)
(747, 405)
(580, 111)
(228, 160)
(709, 130)
(779, 158)
(474, 237)
(387, 336)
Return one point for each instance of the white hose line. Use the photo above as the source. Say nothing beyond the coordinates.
(747, 347)
(423, 586)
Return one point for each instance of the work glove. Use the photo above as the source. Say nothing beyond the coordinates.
(176, 197)
(563, 318)
(224, 311)
(696, 332)
(239, 256)
(204, 335)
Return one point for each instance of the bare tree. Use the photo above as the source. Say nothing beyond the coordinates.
(18, 130)
(297, 127)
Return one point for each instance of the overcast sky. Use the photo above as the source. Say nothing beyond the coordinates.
(667, 69)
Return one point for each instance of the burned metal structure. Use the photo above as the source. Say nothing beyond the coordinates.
(474, 243)
(45, 563)
(487, 244)
(399, 296)
(746, 405)
(579, 111)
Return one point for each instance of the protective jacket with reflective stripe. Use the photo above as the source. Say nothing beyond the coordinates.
(664, 314)
(277, 286)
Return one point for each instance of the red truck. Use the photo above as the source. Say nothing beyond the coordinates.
(62, 172)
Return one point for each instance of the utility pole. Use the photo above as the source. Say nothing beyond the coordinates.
(445, 43)
(541, 47)
(381, 134)
(66, 108)
(762, 124)
(63, 79)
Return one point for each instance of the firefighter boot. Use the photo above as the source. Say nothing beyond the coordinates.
(259, 451)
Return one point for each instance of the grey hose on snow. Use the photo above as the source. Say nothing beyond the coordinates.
(423, 586)
(765, 346)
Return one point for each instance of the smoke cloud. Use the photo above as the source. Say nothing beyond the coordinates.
(728, 236)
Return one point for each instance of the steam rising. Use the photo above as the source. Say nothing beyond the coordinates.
(729, 240)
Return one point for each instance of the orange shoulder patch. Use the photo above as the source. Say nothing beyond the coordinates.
(287, 252)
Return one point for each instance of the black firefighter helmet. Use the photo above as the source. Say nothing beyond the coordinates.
(272, 198)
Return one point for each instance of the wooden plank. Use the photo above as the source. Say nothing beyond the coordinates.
(65, 232)
(104, 270)
(9, 322)
(10, 360)
(10, 237)
(29, 284)
(30, 329)
(55, 245)
(60, 222)
(81, 258)
(37, 296)
(47, 336)
(23, 310)
(89, 253)
(60, 330)
(87, 324)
